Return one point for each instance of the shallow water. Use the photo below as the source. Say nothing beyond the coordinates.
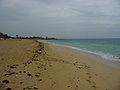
(106, 48)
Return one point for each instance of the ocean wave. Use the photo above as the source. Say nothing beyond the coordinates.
(106, 56)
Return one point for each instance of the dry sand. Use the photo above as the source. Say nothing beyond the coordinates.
(29, 65)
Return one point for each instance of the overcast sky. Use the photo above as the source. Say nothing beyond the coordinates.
(61, 18)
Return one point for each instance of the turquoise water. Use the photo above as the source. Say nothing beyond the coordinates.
(106, 48)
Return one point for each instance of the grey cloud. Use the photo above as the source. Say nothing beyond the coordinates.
(118, 2)
(61, 18)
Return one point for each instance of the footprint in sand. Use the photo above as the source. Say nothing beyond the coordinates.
(10, 74)
(21, 82)
(76, 87)
(68, 86)
(37, 75)
(40, 80)
(94, 86)
(35, 88)
(30, 75)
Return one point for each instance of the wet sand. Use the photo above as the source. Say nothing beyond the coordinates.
(32, 65)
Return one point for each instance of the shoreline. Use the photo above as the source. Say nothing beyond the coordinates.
(91, 60)
(33, 65)
(113, 62)
(104, 55)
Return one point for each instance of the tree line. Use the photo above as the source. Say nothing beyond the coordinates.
(5, 36)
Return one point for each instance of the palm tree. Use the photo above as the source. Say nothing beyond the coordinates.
(16, 36)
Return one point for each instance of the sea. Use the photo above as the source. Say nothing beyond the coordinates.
(105, 48)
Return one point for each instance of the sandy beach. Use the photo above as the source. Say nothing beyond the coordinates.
(33, 65)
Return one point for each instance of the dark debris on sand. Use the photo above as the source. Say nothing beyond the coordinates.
(8, 88)
(5, 81)
(12, 69)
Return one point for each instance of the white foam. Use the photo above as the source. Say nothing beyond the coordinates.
(101, 54)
